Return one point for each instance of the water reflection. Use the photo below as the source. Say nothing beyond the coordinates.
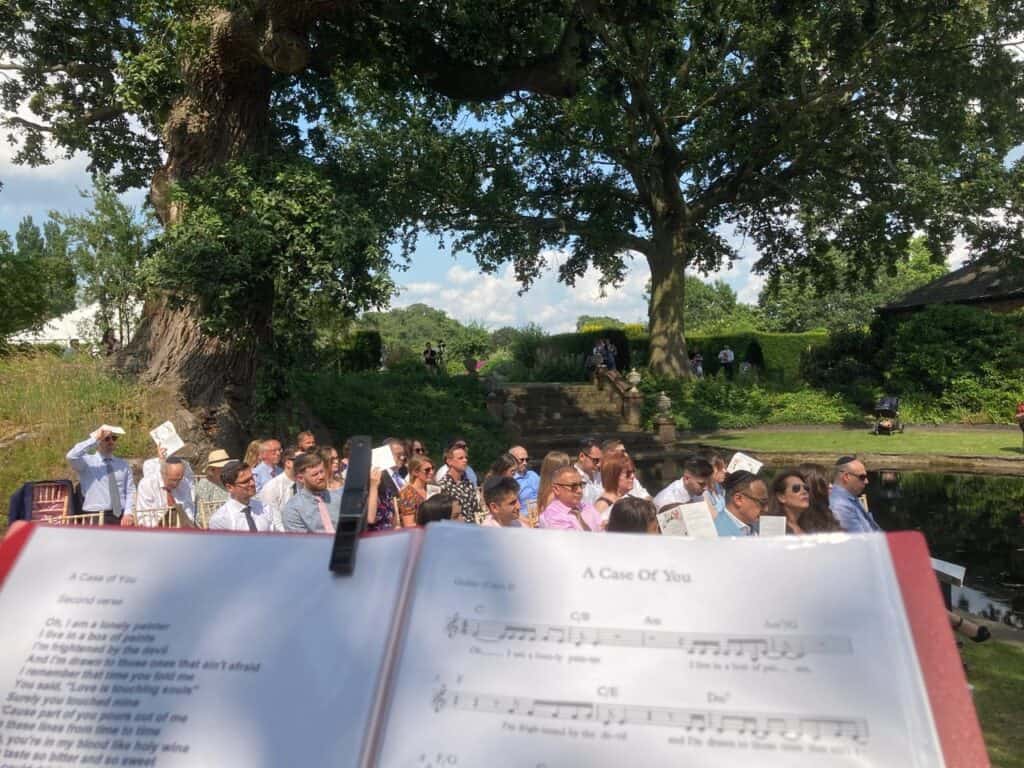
(974, 520)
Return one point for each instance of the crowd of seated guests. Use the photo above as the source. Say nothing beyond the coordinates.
(298, 487)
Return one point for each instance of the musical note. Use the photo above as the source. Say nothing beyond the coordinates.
(753, 647)
(759, 725)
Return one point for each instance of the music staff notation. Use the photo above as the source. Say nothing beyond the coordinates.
(759, 725)
(750, 646)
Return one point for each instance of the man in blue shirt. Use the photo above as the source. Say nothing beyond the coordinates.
(848, 483)
(107, 482)
(746, 497)
(529, 481)
(270, 463)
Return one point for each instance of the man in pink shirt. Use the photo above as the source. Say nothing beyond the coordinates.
(566, 510)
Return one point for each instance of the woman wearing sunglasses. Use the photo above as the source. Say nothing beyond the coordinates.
(414, 492)
(790, 496)
(617, 476)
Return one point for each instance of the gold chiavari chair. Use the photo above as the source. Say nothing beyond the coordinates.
(49, 500)
(87, 518)
(204, 511)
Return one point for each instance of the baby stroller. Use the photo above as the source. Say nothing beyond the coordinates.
(887, 416)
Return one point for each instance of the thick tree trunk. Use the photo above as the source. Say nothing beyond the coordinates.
(667, 260)
(223, 115)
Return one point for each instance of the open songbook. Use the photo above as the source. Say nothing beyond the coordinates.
(465, 646)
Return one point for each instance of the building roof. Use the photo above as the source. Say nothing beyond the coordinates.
(979, 281)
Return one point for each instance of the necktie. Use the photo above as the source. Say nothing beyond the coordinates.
(248, 519)
(399, 482)
(578, 514)
(170, 498)
(325, 516)
(114, 490)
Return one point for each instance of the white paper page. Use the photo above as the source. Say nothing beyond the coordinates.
(166, 436)
(382, 457)
(533, 647)
(951, 573)
(671, 523)
(243, 650)
(742, 461)
(699, 523)
(771, 525)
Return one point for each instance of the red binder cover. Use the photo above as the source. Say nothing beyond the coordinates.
(952, 709)
(941, 667)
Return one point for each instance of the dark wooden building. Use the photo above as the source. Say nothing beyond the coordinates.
(995, 285)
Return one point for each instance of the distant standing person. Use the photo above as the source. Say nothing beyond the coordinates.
(430, 358)
(727, 359)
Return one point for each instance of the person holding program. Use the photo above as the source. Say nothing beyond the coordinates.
(106, 480)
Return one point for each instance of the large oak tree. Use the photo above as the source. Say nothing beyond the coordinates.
(803, 127)
(219, 108)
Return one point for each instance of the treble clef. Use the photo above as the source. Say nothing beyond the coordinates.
(439, 699)
(453, 626)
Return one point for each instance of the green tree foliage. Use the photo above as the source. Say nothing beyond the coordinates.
(808, 128)
(843, 297)
(597, 321)
(714, 308)
(108, 245)
(37, 280)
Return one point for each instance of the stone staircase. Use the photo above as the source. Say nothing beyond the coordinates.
(555, 416)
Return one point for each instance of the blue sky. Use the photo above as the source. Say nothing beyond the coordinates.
(434, 276)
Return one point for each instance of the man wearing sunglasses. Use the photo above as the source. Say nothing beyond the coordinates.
(107, 482)
(848, 483)
(746, 497)
(529, 481)
(567, 511)
(588, 467)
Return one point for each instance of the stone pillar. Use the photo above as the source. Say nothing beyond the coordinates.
(632, 408)
(599, 376)
(666, 429)
(495, 408)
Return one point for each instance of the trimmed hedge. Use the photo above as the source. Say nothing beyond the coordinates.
(777, 354)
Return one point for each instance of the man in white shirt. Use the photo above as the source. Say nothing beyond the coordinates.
(588, 466)
(241, 512)
(169, 487)
(276, 492)
(106, 480)
(690, 487)
(443, 469)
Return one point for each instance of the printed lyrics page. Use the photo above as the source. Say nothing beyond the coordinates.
(169, 650)
(549, 648)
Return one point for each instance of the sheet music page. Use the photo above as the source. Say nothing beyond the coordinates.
(530, 647)
(192, 649)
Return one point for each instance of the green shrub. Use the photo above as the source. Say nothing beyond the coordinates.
(562, 357)
(717, 403)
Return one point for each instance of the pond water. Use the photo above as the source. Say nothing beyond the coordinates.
(976, 521)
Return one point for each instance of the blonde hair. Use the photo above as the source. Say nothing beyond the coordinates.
(553, 461)
(252, 453)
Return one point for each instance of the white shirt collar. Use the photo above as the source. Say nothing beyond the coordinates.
(743, 526)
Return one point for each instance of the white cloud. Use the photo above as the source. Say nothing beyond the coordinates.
(494, 299)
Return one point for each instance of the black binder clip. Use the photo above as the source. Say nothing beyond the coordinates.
(352, 518)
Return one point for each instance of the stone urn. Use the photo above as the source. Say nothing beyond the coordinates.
(633, 378)
(663, 404)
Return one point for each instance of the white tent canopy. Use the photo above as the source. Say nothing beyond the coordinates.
(79, 324)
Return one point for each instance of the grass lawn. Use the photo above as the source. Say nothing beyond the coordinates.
(996, 670)
(1003, 443)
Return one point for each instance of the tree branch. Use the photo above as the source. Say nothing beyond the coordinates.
(558, 225)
